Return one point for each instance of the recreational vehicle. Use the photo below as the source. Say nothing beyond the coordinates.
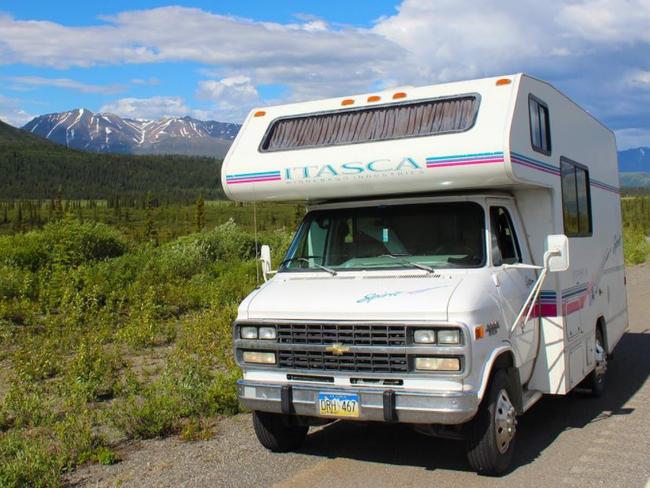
(461, 256)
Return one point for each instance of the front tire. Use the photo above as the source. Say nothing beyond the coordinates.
(490, 435)
(596, 379)
(277, 433)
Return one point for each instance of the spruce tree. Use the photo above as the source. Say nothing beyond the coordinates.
(200, 214)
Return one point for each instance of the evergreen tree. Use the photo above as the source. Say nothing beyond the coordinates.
(200, 214)
(150, 232)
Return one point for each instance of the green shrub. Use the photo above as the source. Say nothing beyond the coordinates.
(16, 282)
(66, 242)
(93, 372)
(26, 461)
(106, 456)
(636, 247)
(227, 242)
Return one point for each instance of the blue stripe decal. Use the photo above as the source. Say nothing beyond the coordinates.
(521, 159)
(537, 164)
(253, 175)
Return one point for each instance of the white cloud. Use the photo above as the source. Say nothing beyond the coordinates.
(624, 21)
(23, 82)
(640, 79)
(152, 81)
(147, 108)
(632, 138)
(12, 113)
(231, 98)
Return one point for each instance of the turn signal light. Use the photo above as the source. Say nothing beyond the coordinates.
(479, 332)
(503, 81)
(259, 113)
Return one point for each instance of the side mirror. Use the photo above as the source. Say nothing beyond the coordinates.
(556, 257)
(265, 258)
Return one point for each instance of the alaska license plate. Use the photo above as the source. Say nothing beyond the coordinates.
(336, 405)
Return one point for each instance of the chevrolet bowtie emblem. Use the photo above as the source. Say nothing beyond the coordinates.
(337, 349)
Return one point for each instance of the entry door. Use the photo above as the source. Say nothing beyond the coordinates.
(514, 285)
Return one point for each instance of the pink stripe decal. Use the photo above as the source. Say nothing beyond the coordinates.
(549, 171)
(464, 163)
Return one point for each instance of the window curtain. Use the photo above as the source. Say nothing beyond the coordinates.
(372, 124)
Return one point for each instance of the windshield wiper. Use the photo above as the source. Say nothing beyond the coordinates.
(407, 262)
(319, 266)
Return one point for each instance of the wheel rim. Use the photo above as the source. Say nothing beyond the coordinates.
(601, 359)
(505, 423)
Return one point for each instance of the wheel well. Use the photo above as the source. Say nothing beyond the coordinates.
(503, 361)
(600, 325)
(506, 362)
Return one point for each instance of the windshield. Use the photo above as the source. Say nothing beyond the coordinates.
(426, 236)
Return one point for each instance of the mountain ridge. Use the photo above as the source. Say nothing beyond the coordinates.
(109, 133)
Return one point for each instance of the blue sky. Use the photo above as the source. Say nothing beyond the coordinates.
(217, 59)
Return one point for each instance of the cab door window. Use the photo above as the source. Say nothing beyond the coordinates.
(505, 247)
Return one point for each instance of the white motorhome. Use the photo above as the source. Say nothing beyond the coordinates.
(430, 282)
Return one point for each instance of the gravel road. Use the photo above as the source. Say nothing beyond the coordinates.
(562, 441)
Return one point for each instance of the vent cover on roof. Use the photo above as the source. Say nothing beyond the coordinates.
(368, 124)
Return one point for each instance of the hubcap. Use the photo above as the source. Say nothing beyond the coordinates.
(601, 359)
(505, 421)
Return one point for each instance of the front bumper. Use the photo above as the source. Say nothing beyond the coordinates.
(375, 404)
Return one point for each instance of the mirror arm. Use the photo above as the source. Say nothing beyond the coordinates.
(537, 288)
(522, 266)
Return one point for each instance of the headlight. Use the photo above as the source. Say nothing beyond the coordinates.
(267, 333)
(449, 336)
(424, 336)
(259, 357)
(437, 364)
(248, 332)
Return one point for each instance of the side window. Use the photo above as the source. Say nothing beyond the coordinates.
(540, 125)
(505, 247)
(576, 199)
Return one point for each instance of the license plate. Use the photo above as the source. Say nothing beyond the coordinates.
(336, 405)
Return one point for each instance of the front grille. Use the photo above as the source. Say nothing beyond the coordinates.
(353, 334)
(367, 362)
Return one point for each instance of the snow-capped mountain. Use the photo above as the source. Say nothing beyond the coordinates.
(104, 132)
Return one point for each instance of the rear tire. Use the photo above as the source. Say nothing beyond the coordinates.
(490, 435)
(277, 433)
(596, 379)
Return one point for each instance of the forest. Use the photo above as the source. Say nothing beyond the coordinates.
(34, 168)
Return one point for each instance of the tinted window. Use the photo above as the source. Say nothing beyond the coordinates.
(437, 235)
(540, 127)
(504, 240)
(350, 126)
(576, 199)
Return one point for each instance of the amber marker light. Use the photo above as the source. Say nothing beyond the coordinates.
(259, 113)
(374, 98)
(503, 81)
(479, 332)
(347, 101)
(398, 95)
